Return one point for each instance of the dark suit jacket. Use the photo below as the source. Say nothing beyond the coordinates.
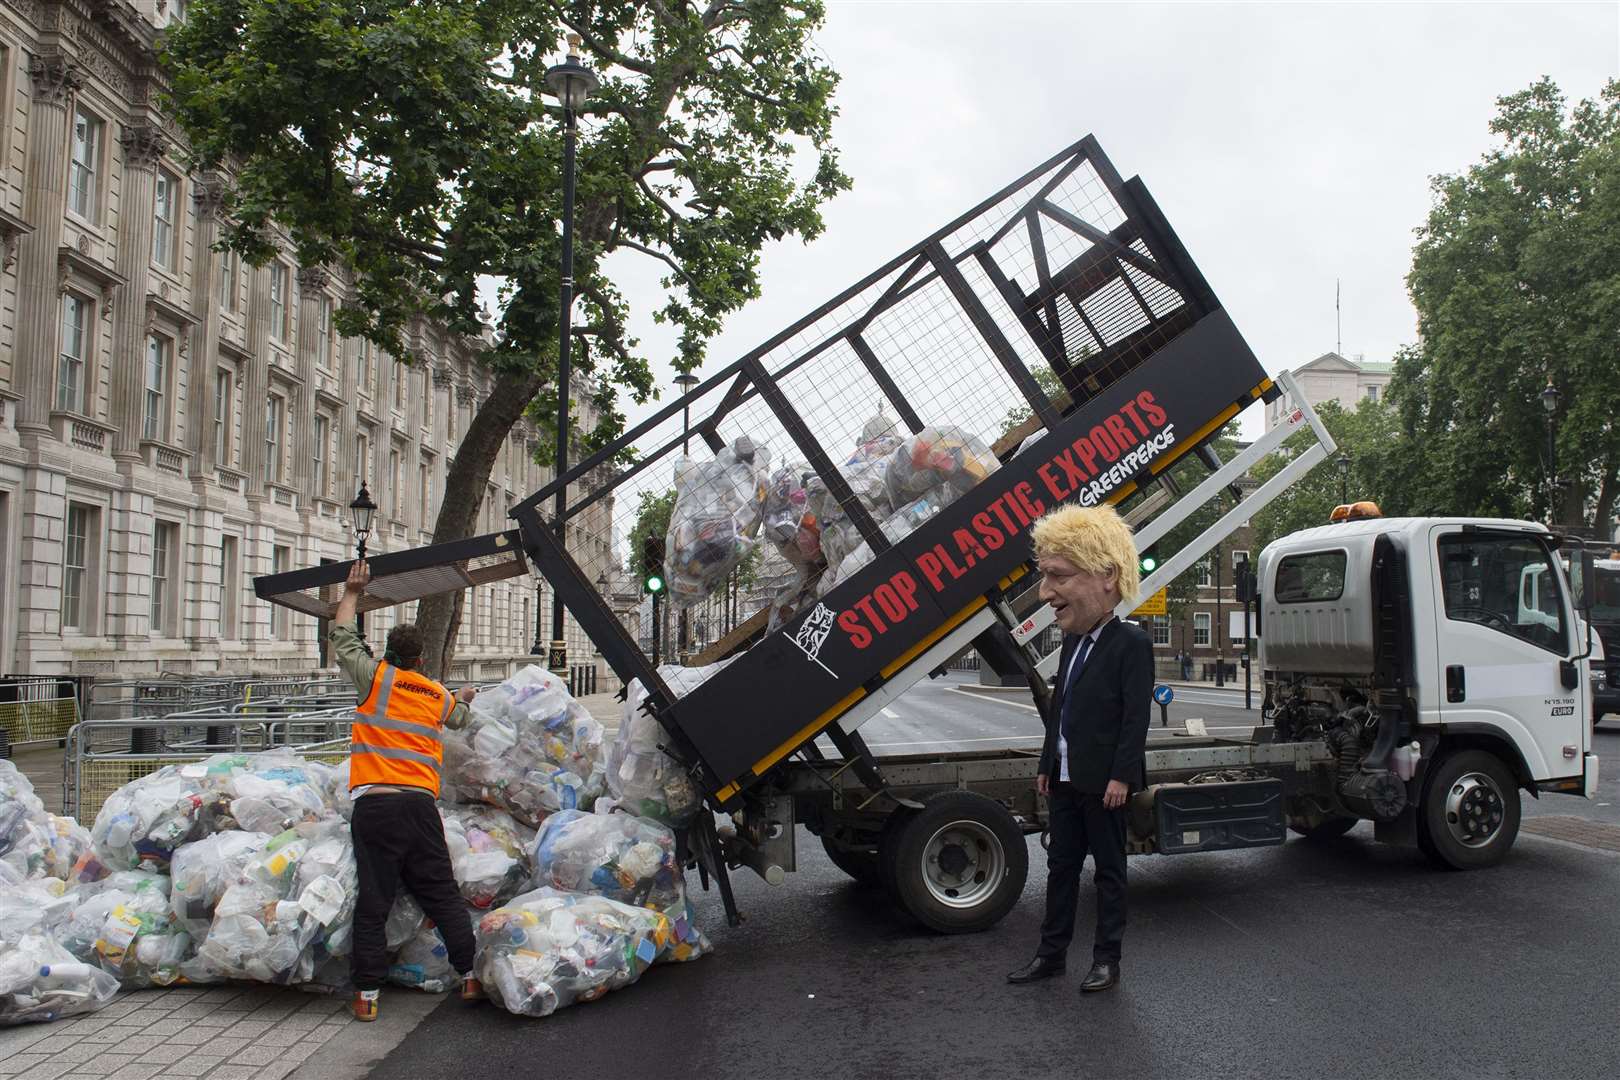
(1105, 713)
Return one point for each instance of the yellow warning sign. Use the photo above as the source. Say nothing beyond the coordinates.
(1153, 605)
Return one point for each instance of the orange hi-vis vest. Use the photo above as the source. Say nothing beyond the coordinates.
(398, 728)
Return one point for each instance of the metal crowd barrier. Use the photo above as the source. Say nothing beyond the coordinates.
(40, 708)
(104, 755)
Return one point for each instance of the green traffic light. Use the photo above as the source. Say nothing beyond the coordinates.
(1149, 564)
(655, 584)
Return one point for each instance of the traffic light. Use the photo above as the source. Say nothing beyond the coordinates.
(652, 564)
(1245, 582)
(1149, 564)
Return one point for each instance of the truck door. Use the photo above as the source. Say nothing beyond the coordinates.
(1503, 626)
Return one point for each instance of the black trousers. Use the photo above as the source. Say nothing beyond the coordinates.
(1079, 824)
(399, 839)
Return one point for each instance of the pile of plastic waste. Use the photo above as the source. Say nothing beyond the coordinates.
(715, 522)
(241, 867)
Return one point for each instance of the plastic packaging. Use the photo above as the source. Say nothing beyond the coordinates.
(546, 950)
(202, 871)
(143, 822)
(41, 981)
(488, 852)
(716, 519)
(622, 857)
(941, 457)
(423, 961)
(642, 778)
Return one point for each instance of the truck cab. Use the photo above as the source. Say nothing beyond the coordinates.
(1442, 660)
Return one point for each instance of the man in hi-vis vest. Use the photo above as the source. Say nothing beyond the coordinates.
(395, 752)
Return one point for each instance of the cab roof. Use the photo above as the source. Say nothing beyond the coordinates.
(1408, 526)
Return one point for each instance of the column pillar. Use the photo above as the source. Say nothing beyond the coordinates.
(54, 78)
(208, 192)
(258, 381)
(312, 281)
(143, 145)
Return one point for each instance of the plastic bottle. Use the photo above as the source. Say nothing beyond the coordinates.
(1404, 760)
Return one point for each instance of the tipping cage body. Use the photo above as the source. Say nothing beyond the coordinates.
(1069, 270)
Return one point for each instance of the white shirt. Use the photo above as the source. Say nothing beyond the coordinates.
(1068, 680)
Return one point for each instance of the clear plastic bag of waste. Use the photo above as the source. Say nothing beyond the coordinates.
(936, 458)
(201, 872)
(41, 981)
(546, 950)
(622, 857)
(716, 518)
(489, 852)
(129, 930)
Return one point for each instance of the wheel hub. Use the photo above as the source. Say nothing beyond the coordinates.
(1474, 810)
(963, 863)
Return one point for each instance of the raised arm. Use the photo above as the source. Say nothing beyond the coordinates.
(359, 576)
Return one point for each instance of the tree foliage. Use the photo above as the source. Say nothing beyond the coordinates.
(1516, 281)
(413, 142)
(652, 519)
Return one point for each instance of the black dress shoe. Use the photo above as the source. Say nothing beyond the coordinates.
(1042, 967)
(1101, 977)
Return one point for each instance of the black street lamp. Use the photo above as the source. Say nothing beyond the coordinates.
(1342, 463)
(362, 510)
(1549, 404)
(685, 380)
(572, 83)
(539, 646)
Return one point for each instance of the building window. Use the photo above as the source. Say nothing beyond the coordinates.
(165, 556)
(1372, 393)
(1205, 572)
(280, 561)
(399, 386)
(323, 334)
(424, 493)
(86, 159)
(229, 583)
(396, 478)
(163, 241)
(362, 372)
(1201, 624)
(319, 469)
(278, 301)
(78, 567)
(1161, 630)
(71, 377)
(155, 424)
(1238, 558)
(362, 460)
(223, 416)
(228, 263)
(425, 385)
(274, 416)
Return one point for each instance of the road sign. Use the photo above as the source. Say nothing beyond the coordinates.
(1153, 605)
(1163, 695)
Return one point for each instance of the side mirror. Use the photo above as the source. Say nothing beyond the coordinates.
(1583, 588)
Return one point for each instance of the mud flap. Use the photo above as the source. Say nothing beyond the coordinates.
(1219, 817)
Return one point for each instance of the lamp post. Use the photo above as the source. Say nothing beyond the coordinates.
(1549, 404)
(572, 84)
(361, 510)
(1342, 463)
(685, 380)
(539, 646)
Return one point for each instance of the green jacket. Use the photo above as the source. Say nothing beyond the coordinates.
(361, 669)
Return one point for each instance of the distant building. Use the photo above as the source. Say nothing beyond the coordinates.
(174, 422)
(1330, 377)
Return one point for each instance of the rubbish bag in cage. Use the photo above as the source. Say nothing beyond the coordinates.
(716, 518)
(896, 527)
(941, 463)
(546, 950)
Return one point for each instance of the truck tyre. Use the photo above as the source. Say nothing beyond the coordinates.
(1329, 829)
(1469, 816)
(860, 865)
(958, 865)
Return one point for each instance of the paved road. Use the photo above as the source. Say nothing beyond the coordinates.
(1349, 959)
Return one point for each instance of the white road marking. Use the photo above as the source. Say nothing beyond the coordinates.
(890, 713)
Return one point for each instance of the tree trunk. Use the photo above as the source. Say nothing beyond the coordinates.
(439, 617)
(1607, 491)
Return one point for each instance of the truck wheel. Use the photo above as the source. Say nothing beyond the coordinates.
(1328, 829)
(958, 865)
(860, 865)
(1469, 816)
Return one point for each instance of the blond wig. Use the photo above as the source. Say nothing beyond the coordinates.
(1093, 538)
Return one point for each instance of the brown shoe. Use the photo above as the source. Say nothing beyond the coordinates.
(365, 1008)
(472, 989)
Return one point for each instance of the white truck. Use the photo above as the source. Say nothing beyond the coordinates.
(1405, 646)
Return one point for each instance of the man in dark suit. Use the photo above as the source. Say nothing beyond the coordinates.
(1096, 730)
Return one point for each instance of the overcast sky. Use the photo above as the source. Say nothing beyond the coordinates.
(1288, 144)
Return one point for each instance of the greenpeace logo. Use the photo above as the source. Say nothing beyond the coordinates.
(425, 691)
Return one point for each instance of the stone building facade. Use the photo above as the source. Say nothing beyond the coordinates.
(1331, 377)
(173, 421)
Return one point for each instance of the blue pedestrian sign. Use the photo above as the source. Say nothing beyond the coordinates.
(1163, 695)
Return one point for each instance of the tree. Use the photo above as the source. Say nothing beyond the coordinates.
(412, 144)
(1369, 438)
(1516, 280)
(652, 519)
